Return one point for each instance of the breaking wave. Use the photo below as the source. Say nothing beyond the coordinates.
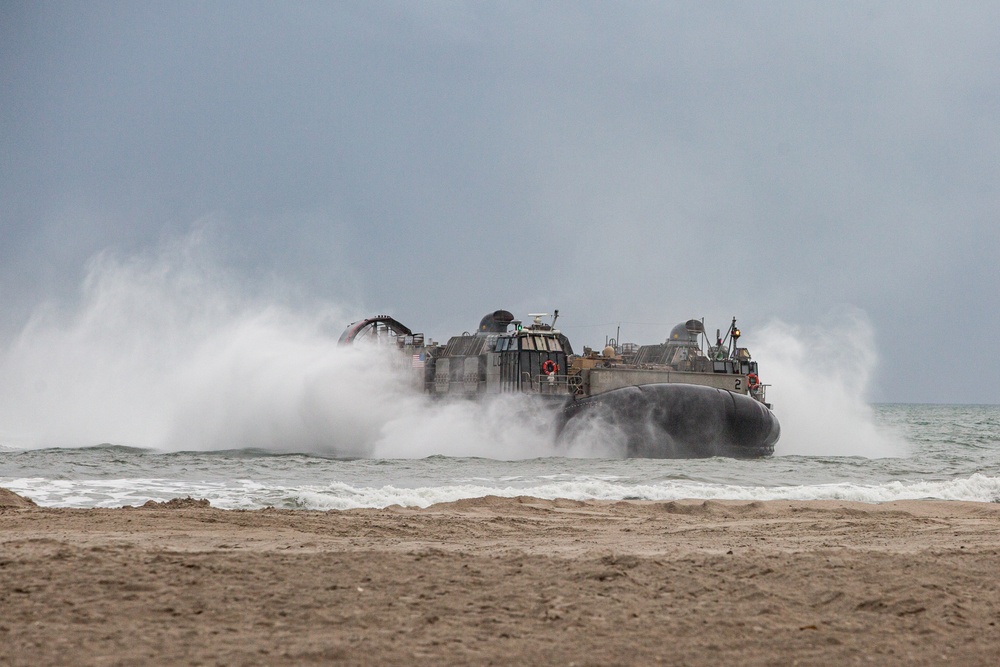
(248, 494)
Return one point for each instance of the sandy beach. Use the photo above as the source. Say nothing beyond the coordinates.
(502, 581)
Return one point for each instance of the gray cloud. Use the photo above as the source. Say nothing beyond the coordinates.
(642, 163)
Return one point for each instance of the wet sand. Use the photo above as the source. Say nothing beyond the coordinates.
(502, 582)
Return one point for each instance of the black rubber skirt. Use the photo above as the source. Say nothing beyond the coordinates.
(674, 421)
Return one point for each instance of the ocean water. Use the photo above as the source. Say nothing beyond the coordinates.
(937, 452)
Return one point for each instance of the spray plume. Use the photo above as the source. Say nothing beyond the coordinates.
(167, 352)
(820, 379)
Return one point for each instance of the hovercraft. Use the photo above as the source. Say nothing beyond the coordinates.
(683, 398)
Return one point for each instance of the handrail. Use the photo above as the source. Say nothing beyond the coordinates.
(551, 384)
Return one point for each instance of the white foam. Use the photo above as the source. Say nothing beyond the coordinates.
(247, 494)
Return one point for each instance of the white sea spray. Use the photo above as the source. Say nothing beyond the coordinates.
(169, 351)
(820, 377)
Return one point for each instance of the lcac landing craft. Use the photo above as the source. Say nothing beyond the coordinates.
(683, 398)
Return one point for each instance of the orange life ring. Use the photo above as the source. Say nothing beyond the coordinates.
(549, 367)
(753, 381)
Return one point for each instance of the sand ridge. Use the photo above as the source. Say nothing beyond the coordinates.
(503, 581)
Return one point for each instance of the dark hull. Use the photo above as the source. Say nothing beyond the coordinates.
(677, 421)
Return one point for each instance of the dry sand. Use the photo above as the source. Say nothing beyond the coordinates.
(503, 582)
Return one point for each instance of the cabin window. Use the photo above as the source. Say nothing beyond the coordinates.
(555, 345)
(529, 342)
(540, 344)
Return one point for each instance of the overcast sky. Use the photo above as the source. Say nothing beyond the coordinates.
(640, 163)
